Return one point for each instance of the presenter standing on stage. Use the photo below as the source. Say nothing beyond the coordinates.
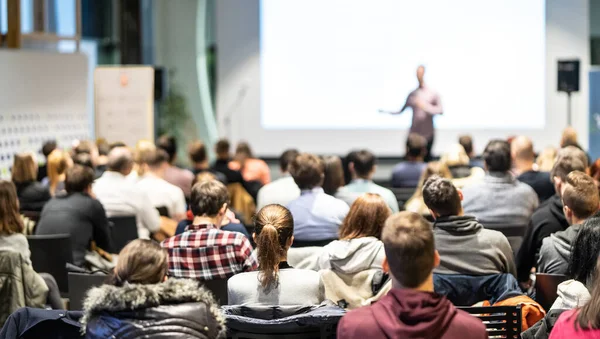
(425, 104)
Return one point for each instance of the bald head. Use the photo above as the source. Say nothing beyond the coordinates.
(521, 148)
(120, 159)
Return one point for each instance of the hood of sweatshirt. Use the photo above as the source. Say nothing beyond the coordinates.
(407, 313)
(571, 294)
(355, 255)
(562, 241)
(458, 224)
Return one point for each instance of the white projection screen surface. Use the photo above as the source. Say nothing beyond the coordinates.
(326, 68)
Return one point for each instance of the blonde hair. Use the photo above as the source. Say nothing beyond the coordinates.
(141, 262)
(143, 150)
(24, 168)
(455, 156)
(545, 161)
(433, 168)
(58, 163)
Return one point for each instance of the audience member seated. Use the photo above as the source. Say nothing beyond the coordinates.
(466, 141)
(359, 247)
(120, 197)
(466, 247)
(253, 169)
(47, 148)
(408, 172)
(581, 201)
(199, 159)
(32, 194)
(569, 138)
(411, 309)
(595, 172)
(103, 149)
(523, 160)
(204, 251)
(58, 163)
(333, 180)
(221, 165)
(317, 215)
(415, 203)
(160, 192)
(282, 190)
(581, 322)
(363, 168)
(500, 198)
(84, 159)
(179, 177)
(139, 301)
(457, 161)
(276, 282)
(143, 150)
(581, 268)
(545, 160)
(549, 218)
(78, 214)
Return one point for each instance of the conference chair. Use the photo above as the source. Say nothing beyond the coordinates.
(545, 288)
(500, 321)
(122, 230)
(79, 284)
(513, 232)
(218, 287)
(50, 254)
(403, 194)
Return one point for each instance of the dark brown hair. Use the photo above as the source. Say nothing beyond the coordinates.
(273, 228)
(363, 162)
(409, 247)
(78, 178)
(581, 195)
(24, 168)
(197, 152)
(156, 158)
(10, 219)
(416, 145)
(141, 262)
(588, 316)
(333, 174)
(307, 170)
(222, 147)
(366, 217)
(286, 159)
(208, 198)
(497, 156)
(467, 143)
(441, 196)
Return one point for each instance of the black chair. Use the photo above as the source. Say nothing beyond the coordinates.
(403, 194)
(545, 288)
(219, 289)
(313, 243)
(500, 321)
(50, 254)
(514, 233)
(79, 284)
(163, 211)
(122, 231)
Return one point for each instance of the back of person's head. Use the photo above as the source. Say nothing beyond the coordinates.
(286, 159)
(209, 198)
(117, 144)
(79, 179)
(497, 156)
(58, 162)
(580, 196)
(83, 159)
(588, 316)
(366, 217)
(273, 233)
(222, 148)
(546, 159)
(10, 219)
(455, 156)
(467, 143)
(569, 137)
(595, 172)
(521, 148)
(141, 262)
(409, 248)
(197, 152)
(157, 159)
(24, 168)
(585, 251)
(568, 159)
(441, 197)
(416, 145)
(103, 146)
(308, 171)
(433, 168)
(243, 149)
(48, 147)
(144, 149)
(86, 146)
(364, 163)
(169, 144)
(333, 175)
(120, 160)
(348, 159)
(204, 176)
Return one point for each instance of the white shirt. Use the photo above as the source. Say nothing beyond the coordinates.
(120, 197)
(163, 194)
(281, 191)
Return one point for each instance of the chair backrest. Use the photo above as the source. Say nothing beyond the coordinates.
(403, 194)
(500, 321)
(163, 211)
(122, 231)
(50, 254)
(311, 243)
(219, 289)
(513, 232)
(79, 284)
(545, 288)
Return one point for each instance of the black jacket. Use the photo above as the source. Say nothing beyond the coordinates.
(176, 308)
(34, 323)
(547, 219)
(542, 329)
(32, 196)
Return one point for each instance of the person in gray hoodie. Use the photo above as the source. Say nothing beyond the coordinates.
(580, 201)
(465, 247)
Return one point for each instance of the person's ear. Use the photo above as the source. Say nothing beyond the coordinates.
(223, 209)
(568, 212)
(460, 194)
(290, 242)
(385, 265)
(436, 259)
(254, 237)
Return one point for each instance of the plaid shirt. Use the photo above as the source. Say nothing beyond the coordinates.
(204, 252)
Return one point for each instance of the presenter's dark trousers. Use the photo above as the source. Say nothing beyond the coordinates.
(428, 156)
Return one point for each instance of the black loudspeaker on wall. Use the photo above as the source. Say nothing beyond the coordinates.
(161, 84)
(568, 75)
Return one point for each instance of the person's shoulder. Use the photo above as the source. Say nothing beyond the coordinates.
(358, 323)
(242, 278)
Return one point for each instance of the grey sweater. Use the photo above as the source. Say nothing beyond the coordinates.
(465, 247)
(556, 251)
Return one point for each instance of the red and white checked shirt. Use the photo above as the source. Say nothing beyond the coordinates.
(204, 252)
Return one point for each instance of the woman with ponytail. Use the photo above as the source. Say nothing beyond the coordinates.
(275, 282)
